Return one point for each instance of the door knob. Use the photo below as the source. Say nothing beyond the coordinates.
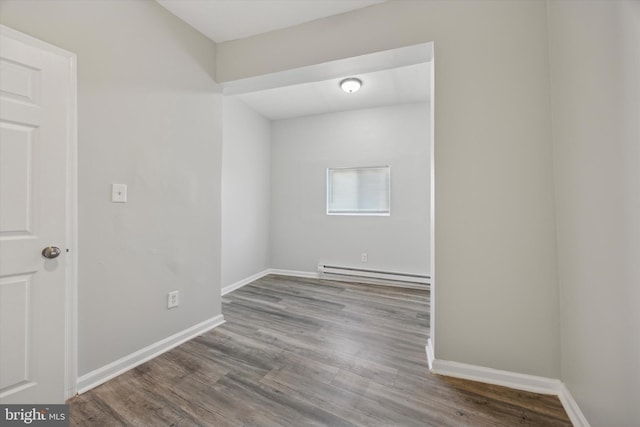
(51, 252)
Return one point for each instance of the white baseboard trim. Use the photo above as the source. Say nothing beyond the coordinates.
(509, 379)
(305, 274)
(430, 354)
(113, 369)
(243, 282)
(571, 407)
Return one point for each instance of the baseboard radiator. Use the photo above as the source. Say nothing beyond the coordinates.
(354, 274)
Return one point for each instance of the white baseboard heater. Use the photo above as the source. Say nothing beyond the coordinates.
(354, 274)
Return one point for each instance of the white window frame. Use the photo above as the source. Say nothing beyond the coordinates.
(358, 212)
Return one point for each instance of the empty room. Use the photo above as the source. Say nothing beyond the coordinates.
(320, 212)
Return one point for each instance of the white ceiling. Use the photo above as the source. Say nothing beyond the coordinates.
(224, 20)
(401, 85)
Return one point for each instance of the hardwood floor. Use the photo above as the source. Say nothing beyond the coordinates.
(301, 352)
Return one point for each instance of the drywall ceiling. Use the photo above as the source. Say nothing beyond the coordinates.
(402, 85)
(224, 20)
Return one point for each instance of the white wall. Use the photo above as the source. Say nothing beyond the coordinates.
(595, 72)
(303, 148)
(246, 192)
(495, 262)
(149, 116)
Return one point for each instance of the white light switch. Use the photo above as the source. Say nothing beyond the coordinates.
(119, 193)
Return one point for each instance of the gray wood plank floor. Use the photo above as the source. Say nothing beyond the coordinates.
(301, 352)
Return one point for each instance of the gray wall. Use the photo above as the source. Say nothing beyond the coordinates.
(246, 191)
(149, 116)
(595, 71)
(146, 102)
(495, 262)
(302, 234)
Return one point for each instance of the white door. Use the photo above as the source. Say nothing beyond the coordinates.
(35, 129)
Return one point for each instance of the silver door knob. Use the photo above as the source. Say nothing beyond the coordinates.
(51, 252)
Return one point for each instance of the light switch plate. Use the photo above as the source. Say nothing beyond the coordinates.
(119, 193)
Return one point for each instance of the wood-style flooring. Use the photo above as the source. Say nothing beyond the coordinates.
(301, 352)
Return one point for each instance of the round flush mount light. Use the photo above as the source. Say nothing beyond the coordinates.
(351, 85)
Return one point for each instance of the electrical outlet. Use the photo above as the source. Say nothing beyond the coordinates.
(119, 193)
(173, 299)
(364, 257)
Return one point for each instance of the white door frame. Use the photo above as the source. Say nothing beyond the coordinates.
(71, 258)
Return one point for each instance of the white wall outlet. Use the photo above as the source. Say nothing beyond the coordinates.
(119, 193)
(173, 299)
(364, 257)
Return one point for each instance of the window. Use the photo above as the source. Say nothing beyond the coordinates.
(358, 191)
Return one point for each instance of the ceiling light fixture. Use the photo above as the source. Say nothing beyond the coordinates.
(351, 84)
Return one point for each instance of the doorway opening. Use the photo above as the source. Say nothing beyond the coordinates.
(313, 126)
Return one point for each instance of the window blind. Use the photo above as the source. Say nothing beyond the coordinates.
(358, 191)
